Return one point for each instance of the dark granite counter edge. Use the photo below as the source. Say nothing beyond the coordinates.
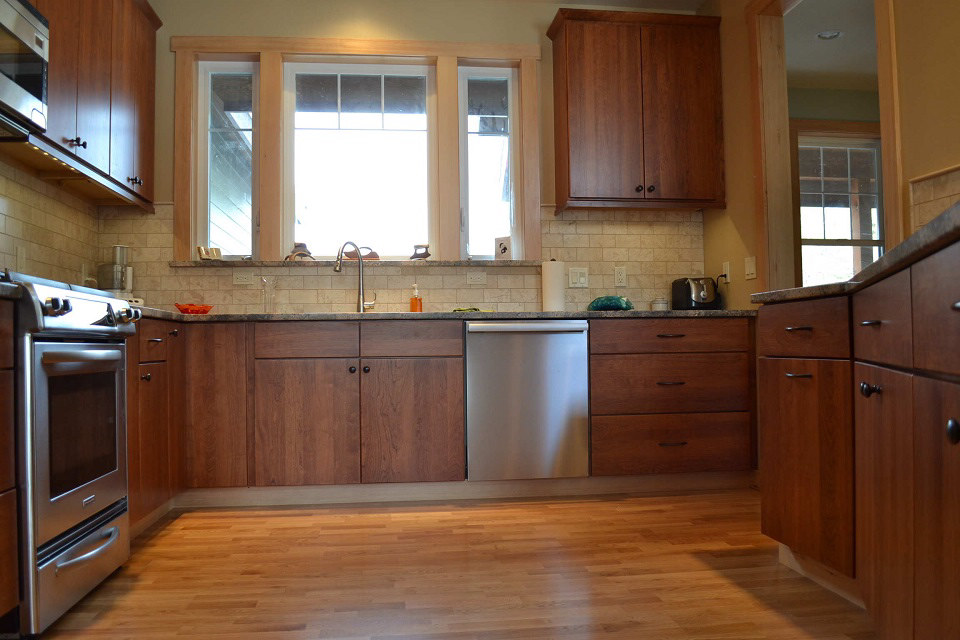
(9, 291)
(161, 314)
(935, 235)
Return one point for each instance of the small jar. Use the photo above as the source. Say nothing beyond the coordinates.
(660, 304)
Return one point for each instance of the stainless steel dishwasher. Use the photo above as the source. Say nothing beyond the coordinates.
(527, 399)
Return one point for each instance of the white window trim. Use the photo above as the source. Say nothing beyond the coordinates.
(201, 221)
(516, 230)
(290, 71)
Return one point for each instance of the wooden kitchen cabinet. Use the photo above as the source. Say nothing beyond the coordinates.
(936, 508)
(885, 498)
(8, 469)
(806, 457)
(936, 312)
(9, 542)
(307, 426)
(412, 428)
(153, 489)
(638, 110)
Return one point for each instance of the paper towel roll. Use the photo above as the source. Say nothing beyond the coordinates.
(553, 282)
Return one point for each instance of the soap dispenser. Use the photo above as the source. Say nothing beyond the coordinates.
(416, 302)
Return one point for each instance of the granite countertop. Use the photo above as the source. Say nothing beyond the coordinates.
(9, 291)
(496, 315)
(935, 235)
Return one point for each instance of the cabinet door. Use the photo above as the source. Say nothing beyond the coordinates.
(215, 428)
(307, 422)
(144, 91)
(64, 17)
(9, 567)
(806, 458)
(154, 408)
(603, 101)
(8, 476)
(124, 78)
(412, 428)
(92, 33)
(884, 480)
(937, 509)
(682, 113)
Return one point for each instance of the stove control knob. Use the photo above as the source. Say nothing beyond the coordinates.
(128, 315)
(56, 307)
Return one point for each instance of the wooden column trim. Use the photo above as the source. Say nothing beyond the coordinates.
(268, 194)
(184, 143)
(897, 225)
(528, 192)
(448, 159)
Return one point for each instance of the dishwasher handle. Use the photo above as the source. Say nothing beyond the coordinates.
(528, 326)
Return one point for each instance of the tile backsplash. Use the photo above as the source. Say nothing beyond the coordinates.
(655, 247)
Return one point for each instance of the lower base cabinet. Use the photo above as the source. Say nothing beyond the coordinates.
(154, 428)
(9, 568)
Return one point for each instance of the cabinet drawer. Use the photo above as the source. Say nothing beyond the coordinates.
(154, 336)
(669, 383)
(882, 330)
(936, 312)
(666, 335)
(626, 445)
(7, 464)
(6, 334)
(413, 338)
(9, 571)
(808, 328)
(321, 339)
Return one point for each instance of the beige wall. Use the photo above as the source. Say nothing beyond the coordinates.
(928, 60)
(834, 104)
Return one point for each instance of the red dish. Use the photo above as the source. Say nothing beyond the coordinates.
(193, 309)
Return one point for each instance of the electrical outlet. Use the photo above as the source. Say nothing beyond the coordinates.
(579, 278)
(750, 268)
(476, 277)
(242, 276)
(726, 270)
(619, 276)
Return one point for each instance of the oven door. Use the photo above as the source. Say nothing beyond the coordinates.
(79, 433)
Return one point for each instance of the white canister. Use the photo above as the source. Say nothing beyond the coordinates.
(659, 304)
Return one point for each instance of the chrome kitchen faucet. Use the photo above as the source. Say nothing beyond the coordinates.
(362, 304)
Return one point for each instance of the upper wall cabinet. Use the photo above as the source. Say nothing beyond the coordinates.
(638, 110)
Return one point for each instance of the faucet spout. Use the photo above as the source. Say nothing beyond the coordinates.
(362, 304)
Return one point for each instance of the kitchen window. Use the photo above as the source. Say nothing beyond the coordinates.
(841, 208)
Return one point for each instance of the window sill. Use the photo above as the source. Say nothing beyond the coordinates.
(219, 264)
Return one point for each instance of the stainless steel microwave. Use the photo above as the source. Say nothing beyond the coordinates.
(24, 55)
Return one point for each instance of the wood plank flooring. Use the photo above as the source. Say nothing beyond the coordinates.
(614, 567)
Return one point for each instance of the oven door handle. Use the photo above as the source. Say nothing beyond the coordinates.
(82, 356)
(89, 555)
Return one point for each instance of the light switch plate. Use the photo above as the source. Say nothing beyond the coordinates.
(619, 276)
(726, 271)
(579, 278)
(476, 277)
(240, 276)
(750, 268)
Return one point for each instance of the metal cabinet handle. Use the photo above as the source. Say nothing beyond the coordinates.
(671, 384)
(78, 142)
(673, 444)
(154, 339)
(798, 375)
(146, 377)
(84, 356)
(671, 335)
(953, 431)
(956, 306)
(867, 389)
(798, 329)
(175, 333)
(639, 188)
(352, 369)
(366, 369)
(89, 555)
(651, 189)
(871, 323)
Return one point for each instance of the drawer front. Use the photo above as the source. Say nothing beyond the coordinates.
(411, 338)
(6, 334)
(936, 311)
(669, 335)
(154, 336)
(318, 339)
(9, 571)
(669, 383)
(809, 328)
(882, 328)
(672, 443)
(7, 464)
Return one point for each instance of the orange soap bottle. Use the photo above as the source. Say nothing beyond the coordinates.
(416, 302)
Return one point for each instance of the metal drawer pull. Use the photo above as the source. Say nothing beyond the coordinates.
(867, 389)
(671, 384)
(953, 431)
(672, 444)
(871, 323)
(671, 335)
(146, 377)
(798, 329)
(89, 555)
(175, 333)
(799, 375)
(154, 339)
(956, 306)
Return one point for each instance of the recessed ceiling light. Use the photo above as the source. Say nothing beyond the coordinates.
(829, 35)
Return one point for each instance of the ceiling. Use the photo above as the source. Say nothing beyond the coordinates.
(848, 62)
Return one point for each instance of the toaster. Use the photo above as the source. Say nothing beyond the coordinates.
(696, 293)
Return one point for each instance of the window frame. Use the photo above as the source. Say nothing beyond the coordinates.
(464, 72)
(323, 64)
(201, 219)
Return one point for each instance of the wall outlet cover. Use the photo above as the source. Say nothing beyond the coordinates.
(504, 248)
(619, 276)
(750, 268)
(726, 271)
(579, 278)
(476, 277)
(241, 276)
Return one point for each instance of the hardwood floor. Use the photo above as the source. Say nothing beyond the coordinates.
(616, 567)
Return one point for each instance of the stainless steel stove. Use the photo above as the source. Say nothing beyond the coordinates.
(72, 442)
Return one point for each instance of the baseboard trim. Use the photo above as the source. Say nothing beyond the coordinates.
(844, 586)
(150, 519)
(469, 490)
